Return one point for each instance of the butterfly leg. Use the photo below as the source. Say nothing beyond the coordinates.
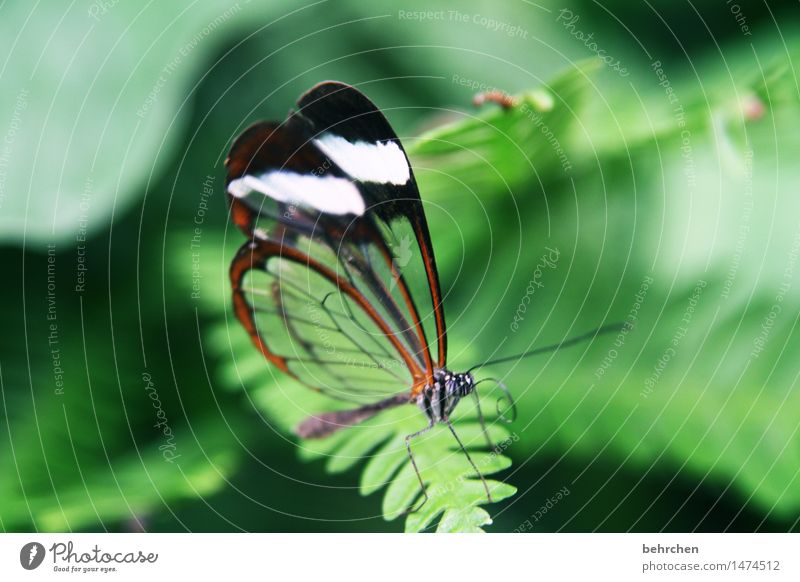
(414, 464)
(471, 462)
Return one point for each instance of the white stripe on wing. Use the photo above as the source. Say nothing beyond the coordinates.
(327, 194)
(367, 162)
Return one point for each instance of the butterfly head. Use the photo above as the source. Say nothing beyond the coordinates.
(438, 399)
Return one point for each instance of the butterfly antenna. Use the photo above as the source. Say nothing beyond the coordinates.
(511, 404)
(552, 348)
(471, 462)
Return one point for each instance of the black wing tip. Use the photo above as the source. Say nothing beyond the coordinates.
(337, 94)
(326, 87)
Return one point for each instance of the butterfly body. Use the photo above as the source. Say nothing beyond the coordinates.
(437, 400)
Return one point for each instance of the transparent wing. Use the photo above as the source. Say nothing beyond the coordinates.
(338, 286)
(336, 110)
(313, 319)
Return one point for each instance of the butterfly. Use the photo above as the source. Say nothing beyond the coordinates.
(337, 284)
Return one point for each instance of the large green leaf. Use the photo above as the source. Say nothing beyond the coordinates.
(93, 438)
(450, 480)
(696, 244)
(93, 93)
(96, 94)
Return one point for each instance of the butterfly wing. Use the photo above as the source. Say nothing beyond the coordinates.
(355, 134)
(319, 287)
(314, 324)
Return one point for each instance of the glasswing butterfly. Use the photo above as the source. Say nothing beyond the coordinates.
(325, 197)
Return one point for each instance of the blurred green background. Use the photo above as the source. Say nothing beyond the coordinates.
(666, 178)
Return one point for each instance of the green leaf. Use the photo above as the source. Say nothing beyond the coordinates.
(89, 451)
(704, 385)
(131, 487)
(96, 437)
(92, 95)
(496, 151)
(379, 445)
